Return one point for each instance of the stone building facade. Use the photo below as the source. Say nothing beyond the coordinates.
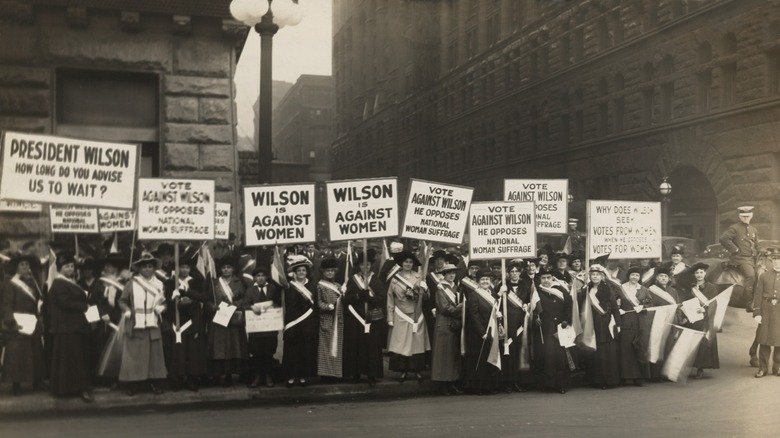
(154, 73)
(613, 95)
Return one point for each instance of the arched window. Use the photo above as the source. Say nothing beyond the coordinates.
(704, 77)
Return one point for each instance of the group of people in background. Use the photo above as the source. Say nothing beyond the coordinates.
(471, 326)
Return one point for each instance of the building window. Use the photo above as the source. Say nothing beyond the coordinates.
(603, 120)
(603, 35)
(578, 44)
(704, 78)
(667, 88)
(471, 43)
(565, 120)
(578, 122)
(617, 27)
(728, 70)
(773, 73)
(648, 93)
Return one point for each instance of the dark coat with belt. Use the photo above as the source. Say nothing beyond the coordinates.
(767, 290)
(741, 241)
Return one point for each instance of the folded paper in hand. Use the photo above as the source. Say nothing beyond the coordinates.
(27, 322)
(693, 310)
(224, 313)
(566, 336)
(92, 314)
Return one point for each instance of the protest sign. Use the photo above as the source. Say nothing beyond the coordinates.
(116, 220)
(221, 220)
(362, 209)
(624, 229)
(20, 207)
(175, 209)
(73, 219)
(56, 170)
(436, 212)
(551, 197)
(279, 214)
(271, 320)
(502, 230)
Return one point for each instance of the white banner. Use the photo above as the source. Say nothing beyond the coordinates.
(279, 214)
(624, 229)
(175, 209)
(271, 320)
(73, 219)
(502, 230)
(56, 170)
(116, 220)
(221, 220)
(436, 212)
(362, 209)
(20, 207)
(551, 197)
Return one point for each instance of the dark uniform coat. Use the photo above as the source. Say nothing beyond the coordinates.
(767, 304)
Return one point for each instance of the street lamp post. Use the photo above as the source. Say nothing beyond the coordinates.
(266, 21)
(666, 190)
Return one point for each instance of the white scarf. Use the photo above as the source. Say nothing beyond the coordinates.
(62, 277)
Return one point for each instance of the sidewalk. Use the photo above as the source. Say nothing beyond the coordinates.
(43, 403)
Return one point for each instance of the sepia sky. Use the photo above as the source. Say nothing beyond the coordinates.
(297, 50)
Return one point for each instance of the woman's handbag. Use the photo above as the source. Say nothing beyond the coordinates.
(376, 314)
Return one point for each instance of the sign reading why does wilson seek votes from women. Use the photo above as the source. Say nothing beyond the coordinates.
(279, 214)
(56, 170)
(624, 229)
(502, 230)
(73, 219)
(175, 209)
(362, 209)
(551, 197)
(436, 212)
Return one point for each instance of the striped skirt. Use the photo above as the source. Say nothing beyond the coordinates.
(328, 365)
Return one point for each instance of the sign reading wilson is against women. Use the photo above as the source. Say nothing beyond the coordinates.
(502, 230)
(56, 170)
(175, 209)
(362, 209)
(279, 214)
(436, 212)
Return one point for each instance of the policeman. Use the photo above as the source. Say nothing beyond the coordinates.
(766, 305)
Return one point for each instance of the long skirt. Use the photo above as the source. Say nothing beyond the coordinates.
(299, 358)
(603, 365)
(362, 352)
(403, 340)
(631, 352)
(707, 356)
(189, 357)
(478, 374)
(403, 364)
(23, 359)
(70, 364)
(446, 365)
(227, 349)
(142, 358)
(328, 365)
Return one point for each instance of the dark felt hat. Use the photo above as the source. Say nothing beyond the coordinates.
(484, 273)
(634, 270)
(329, 263)
(64, 258)
(699, 265)
(371, 256)
(404, 255)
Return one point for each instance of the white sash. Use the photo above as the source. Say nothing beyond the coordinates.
(144, 317)
(703, 299)
(679, 268)
(400, 278)
(297, 321)
(447, 289)
(469, 283)
(594, 302)
(303, 291)
(226, 288)
(178, 332)
(666, 296)
(23, 286)
(486, 296)
(405, 317)
(366, 325)
(334, 338)
(111, 282)
(648, 275)
(514, 299)
(185, 282)
(625, 288)
(364, 284)
(62, 277)
(394, 270)
(330, 286)
(552, 291)
(112, 287)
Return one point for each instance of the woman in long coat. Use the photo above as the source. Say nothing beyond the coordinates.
(552, 363)
(480, 376)
(301, 323)
(105, 293)
(663, 294)
(362, 351)
(143, 303)
(446, 366)
(704, 291)
(227, 346)
(603, 365)
(634, 328)
(408, 339)
(331, 338)
(70, 362)
(23, 357)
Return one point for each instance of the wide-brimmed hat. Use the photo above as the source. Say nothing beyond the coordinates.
(449, 267)
(404, 255)
(700, 265)
(396, 247)
(22, 257)
(147, 257)
(596, 267)
(296, 261)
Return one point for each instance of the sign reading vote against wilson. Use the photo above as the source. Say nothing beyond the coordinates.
(73, 219)
(502, 230)
(221, 220)
(551, 197)
(116, 220)
(436, 212)
(175, 209)
(362, 209)
(279, 214)
(55, 170)
(624, 229)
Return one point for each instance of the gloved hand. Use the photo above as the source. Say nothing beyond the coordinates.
(757, 318)
(564, 324)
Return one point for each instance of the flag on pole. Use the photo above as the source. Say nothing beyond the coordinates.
(114, 244)
(567, 246)
(682, 355)
(587, 338)
(659, 331)
(385, 254)
(722, 303)
(277, 269)
(576, 323)
(494, 355)
(205, 264)
(52, 269)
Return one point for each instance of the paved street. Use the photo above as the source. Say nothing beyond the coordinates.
(727, 402)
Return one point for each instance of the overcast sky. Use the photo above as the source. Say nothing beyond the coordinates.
(301, 49)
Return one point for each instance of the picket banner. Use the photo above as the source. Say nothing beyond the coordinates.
(20, 207)
(502, 230)
(362, 209)
(73, 219)
(436, 212)
(278, 214)
(551, 197)
(112, 220)
(58, 170)
(624, 229)
(175, 209)
(221, 220)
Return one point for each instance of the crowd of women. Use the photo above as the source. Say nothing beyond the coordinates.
(471, 326)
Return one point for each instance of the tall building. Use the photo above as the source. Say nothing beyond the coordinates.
(613, 95)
